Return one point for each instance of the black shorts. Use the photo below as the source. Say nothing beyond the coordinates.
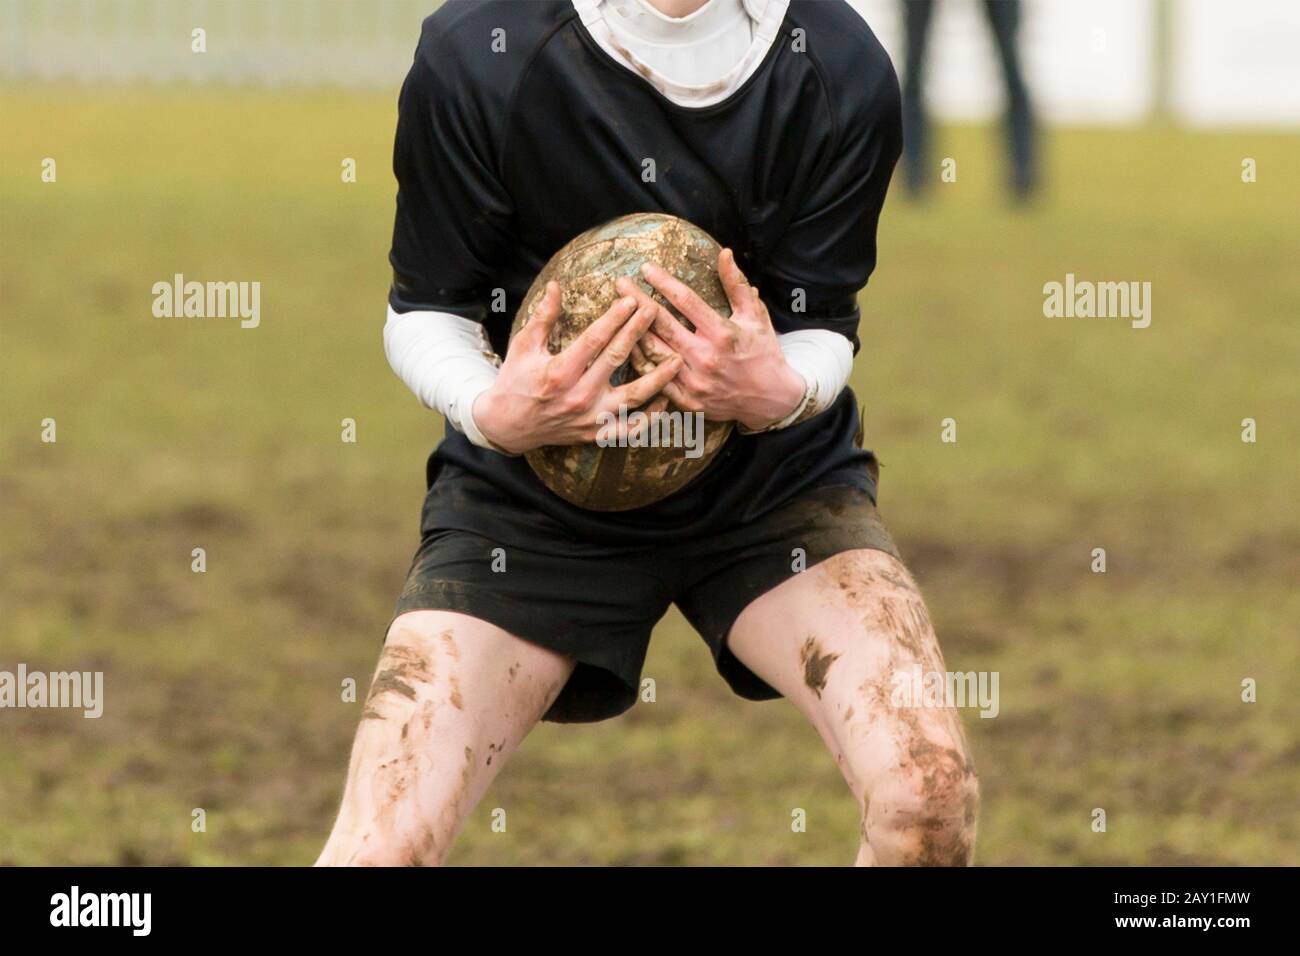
(600, 610)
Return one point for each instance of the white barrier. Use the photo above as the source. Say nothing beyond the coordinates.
(1087, 61)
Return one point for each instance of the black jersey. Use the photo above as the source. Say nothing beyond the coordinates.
(517, 131)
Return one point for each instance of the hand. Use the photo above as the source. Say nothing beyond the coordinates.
(733, 367)
(544, 399)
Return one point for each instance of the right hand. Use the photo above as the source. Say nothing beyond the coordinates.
(544, 399)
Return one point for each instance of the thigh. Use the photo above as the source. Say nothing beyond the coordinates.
(444, 664)
(838, 640)
(598, 610)
(451, 699)
(730, 572)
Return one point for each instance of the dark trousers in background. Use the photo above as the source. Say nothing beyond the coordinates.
(1004, 18)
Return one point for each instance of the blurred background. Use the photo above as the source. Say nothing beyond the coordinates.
(1168, 152)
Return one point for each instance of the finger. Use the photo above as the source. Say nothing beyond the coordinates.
(542, 316)
(679, 396)
(740, 293)
(647, 386)
(643, 423)
(626, 286)
(613, 355)
(582, 351)
(640, 361)
(651, 413)
(687, 400)
(649, 418)
(680, 337)
(653, 347)
(683, 298)
(677, 336)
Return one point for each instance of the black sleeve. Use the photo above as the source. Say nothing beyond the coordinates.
(453, 214)
(828, 251)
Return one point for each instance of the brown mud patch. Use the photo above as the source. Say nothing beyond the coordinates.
(816, 664)
(400, 668)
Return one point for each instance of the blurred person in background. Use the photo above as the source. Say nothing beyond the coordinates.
(1004, 18)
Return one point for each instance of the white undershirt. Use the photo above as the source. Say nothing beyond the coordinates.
(691, 57)
(694, 61)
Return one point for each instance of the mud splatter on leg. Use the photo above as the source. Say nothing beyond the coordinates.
(816, 664)
(909, 765)
(401, 669)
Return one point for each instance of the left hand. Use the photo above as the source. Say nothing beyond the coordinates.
(733, 369)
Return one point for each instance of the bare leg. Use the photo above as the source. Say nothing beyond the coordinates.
(861, 620)
(451, 699)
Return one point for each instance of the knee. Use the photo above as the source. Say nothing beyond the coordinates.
(924, 815)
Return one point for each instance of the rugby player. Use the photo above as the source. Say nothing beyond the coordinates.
(774, 126)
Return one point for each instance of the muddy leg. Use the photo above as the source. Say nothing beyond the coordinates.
(861, 621)
(451, 699)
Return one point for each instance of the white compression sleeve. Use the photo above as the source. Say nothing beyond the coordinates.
(824, 359)
(446, 360)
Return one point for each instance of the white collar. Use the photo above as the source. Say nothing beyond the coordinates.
(642, 21)
(771, 13)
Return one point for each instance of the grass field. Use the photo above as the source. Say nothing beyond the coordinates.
(1119, 690)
